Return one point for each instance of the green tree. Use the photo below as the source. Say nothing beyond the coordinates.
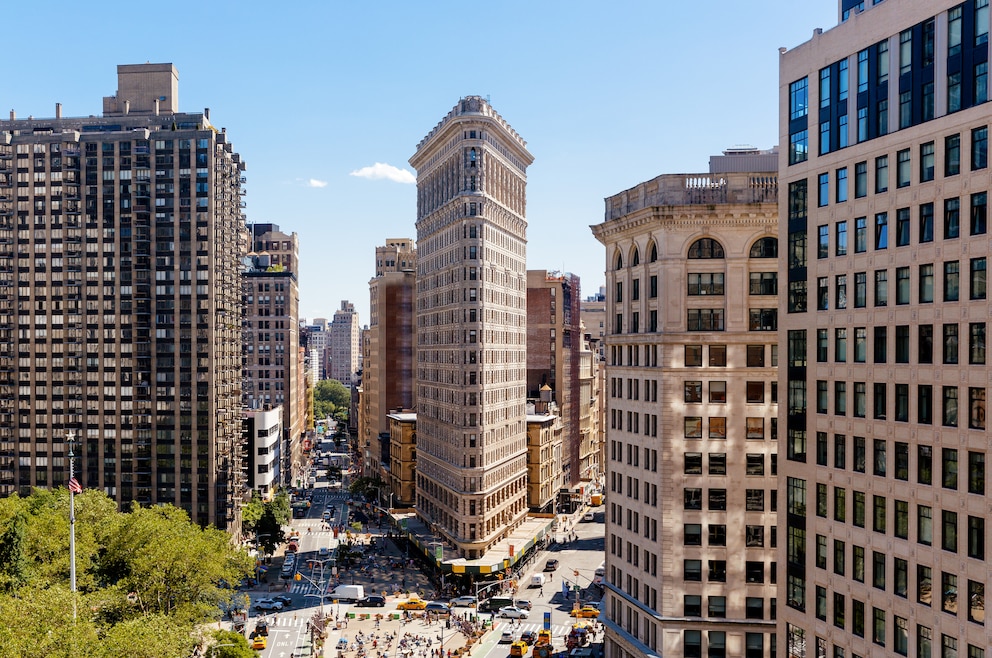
(269, 531)
(331, 398)
(13, 562)
(221, 646)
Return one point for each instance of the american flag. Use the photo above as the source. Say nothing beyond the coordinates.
(74, 486)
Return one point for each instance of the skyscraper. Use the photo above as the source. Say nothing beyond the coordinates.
(884, 316)
(691, 353)
(273, 361)
(343, 344)
(471, 326)
(121, 245)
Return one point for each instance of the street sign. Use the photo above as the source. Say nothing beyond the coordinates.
(547, 621)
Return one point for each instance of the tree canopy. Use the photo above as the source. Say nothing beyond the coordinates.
(331, 398)
(147, 579)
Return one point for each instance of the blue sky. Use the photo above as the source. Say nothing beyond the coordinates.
(606, 94)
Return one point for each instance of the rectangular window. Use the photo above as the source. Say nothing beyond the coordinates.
(840, 345)
(842, 184)
(976, 537)
(881, 230)
(981, 85)
(901, 519)
(949, 468)
(706, 283)
(903, 168)
(798, 99)
(859, 457)
(976, 473)
(860, 289)
(860, 235)
(841, 239)
(905, 52)
(823, 241)
(859, 399)
(954, 31)
(902, 401)
(952, 155)
(953, 92)
(902, 343)
(880, 351)
(881, 288)
(878, 517)
(860, 344)
(881, 174)
(952, 218)
(705, 319)
(902, 285)
(878, 457)
(950, 346)
(840, 398)
(823, 190)
(926, 284)
(926, 222)
(924, 404)
(860, 178)
(840, 449)
(927, 155)
(840, 289)
(693, 355)
(950, 406)
(822, 294)
(979, 213)
(979, 148)
(924, 585)
(902, 227)
(693, 391)
(981, 22)
(878, 570)
(924, 525)
(952, 281)
(905, 110)
(977, 280)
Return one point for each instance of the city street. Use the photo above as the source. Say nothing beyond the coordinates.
(386, 570)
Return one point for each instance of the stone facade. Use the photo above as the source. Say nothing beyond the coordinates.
(692, 395)
(471, 327)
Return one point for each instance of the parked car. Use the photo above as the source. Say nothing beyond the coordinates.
(371, 602)
(463, 602)
(513, 612)
(439, 607)
(268, 604)
(551, 565)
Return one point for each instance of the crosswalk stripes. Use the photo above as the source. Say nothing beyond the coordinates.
(557, 630)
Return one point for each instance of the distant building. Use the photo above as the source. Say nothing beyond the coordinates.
(593, 315)
(265, 431)
(554, 341)
(545, 445)
(691, 370)
(389, 353)
(120, 270)
(272, 359)
(344, 344)
(402, 476)
(471, 327)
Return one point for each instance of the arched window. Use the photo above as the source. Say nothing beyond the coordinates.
(635, 258)
(706, 248)
(653, 253)
(619, 261)
(765, 248)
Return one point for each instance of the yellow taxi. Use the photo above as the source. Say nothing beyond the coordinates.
(258, 642)
(585, 611)
(412, 604)
(518, 649)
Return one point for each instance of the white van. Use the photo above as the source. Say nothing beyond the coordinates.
(347, 593)
(537, 580)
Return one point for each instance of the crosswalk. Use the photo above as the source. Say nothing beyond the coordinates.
(557, 630)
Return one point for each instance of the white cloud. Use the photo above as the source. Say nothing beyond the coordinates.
(313, 182)
(381, 170)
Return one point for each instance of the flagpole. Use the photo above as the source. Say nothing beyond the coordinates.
(72, 524)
